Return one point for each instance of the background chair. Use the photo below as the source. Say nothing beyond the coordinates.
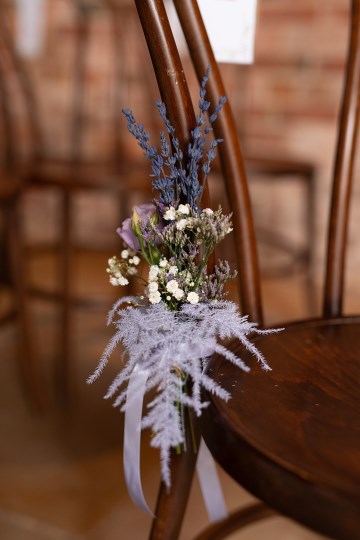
(73, 173)
(291, 436)
(14, 275)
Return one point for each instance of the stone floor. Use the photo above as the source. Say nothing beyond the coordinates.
(61, 472)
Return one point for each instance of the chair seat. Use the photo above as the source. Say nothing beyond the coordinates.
(292, 436)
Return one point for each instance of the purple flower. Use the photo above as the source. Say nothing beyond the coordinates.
(127, 234)
(130, 230)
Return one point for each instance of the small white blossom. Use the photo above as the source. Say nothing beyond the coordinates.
(187, 276)
(181, 224)
(170, 214)
(123, 281)
(132, 271)
(208, 211)
(155, 297)
(168, 298)
(172, 286)
(184, 209)
(114, 281)
(192, 297)
(153, 272)
(124, 254)
(136, 260)
(153, 286)
(173, 270)
(178, 293)
(163, 263)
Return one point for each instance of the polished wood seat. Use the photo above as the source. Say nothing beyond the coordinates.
(290, 436)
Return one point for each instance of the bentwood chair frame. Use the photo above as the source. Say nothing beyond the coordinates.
(307, 358)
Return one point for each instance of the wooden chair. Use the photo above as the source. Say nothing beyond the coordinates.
(13, 275)
(291, 436)
(74, 173)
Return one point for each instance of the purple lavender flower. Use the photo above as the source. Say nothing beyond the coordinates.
(131, 227)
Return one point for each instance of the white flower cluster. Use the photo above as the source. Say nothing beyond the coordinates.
(178, 214)
(164, 278)
(185, 218)
(127, 265)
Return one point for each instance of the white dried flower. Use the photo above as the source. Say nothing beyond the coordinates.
(173, 270)
(192, 297)
(123, 281)
(170, 214)
(136, 260)
(153, 272)
(208, 211)
(163, 263)
(178, 293)
(181, 224)
(124, 254)
(153, 286)
(172, 286)
(155, 297)
(113, 281)
(184, 209)
(132, 271)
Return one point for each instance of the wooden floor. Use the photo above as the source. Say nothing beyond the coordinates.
(61, 473)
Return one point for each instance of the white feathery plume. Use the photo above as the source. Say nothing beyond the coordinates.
(174, 347)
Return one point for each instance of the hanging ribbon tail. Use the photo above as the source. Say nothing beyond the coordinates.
(210, 485)
(132, 436)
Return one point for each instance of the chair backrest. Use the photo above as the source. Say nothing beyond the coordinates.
(16, 94)
(175, 94)
(174, 91)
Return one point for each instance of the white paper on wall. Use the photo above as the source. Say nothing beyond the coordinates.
(231, 28)
(30, 26)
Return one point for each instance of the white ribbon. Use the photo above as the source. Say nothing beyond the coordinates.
(206, 468)
(210, 484)
(132, 436)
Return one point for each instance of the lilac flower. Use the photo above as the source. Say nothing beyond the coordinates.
(130, 228)
(127, 234)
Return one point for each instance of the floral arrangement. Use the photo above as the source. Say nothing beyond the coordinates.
(172, 328)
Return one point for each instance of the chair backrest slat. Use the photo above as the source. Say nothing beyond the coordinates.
(343, 173)
(231, 159)
(167, 66)
(175, 94)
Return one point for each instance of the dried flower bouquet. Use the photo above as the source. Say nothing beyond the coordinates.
(171, 330)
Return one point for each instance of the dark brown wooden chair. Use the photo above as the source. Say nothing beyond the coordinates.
(291, 436)
(73, 173)
(13, 276)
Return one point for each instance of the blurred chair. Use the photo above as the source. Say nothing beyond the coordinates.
(14, 275)
(74, 173)
(291, 436)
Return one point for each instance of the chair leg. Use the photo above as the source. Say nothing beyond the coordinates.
(30, 373)
(63, 364)
(236, 521)
(171, 506)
